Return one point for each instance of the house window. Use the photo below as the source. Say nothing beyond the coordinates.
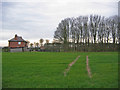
(19, 43)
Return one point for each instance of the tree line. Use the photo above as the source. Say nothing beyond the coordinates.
(38, 44)
(92, 29)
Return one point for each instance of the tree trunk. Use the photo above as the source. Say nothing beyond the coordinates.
(113, 39)
(94, 38)
(107, 39)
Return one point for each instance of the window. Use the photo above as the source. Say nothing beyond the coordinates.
(19, 43)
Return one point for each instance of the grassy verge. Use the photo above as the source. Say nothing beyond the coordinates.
(46, 70)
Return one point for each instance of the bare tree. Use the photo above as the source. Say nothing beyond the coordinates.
(31, 45)
(80, 27)
(91, 26)
(34, 44)
(41, 41)
(62, 32)
(107, 29)
(47, 41)
(37, 44)
(85, 29)
(96, 20)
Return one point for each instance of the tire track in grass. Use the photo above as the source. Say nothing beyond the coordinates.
(87, 67)
(70, 65)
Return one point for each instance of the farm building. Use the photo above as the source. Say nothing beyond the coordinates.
(17, 44)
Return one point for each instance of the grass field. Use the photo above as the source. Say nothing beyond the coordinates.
(46, 70)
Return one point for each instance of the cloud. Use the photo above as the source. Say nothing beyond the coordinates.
(35, 20)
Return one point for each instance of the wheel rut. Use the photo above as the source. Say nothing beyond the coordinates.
(70, 65)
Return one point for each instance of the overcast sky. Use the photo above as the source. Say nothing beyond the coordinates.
(35, 20)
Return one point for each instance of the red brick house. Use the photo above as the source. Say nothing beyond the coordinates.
(17, 44)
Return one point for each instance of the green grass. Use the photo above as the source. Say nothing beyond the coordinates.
(45, 70)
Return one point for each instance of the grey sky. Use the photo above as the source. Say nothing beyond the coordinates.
(35, 20)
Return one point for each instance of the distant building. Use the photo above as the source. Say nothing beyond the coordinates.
(17, 44)
(42, 48)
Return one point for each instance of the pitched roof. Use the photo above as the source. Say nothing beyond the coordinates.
(17, 39)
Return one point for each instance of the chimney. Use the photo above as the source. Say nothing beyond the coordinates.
(15, 36)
